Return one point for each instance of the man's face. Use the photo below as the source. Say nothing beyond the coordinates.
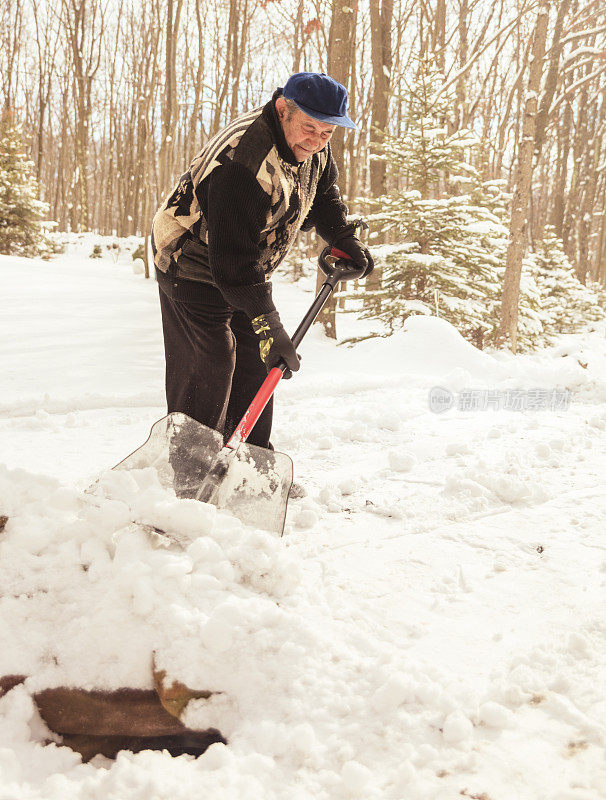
(304, 135)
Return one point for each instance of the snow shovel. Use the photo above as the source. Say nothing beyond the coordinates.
(251, 482)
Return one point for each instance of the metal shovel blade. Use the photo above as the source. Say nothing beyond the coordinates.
(250, 482)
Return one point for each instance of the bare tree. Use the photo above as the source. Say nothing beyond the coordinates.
(116, 98)
(508, 327)
(11, 43)
(84, 25)
(47, 32)
(341, 52)
(169, 107)
(381, 15)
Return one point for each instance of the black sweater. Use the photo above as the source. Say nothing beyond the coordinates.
(235, 214)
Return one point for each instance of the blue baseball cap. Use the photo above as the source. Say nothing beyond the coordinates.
(319, 96)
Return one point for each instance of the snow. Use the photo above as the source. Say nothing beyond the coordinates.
(465, 141)
(585, 50)
(426, 259)
(431, 623)
(486, 227)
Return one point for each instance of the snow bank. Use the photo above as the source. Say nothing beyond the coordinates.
(432, 347)
(88, 574)
(90, 588)
(429, 346)
(314, 698)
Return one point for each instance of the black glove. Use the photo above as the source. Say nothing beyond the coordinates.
(347, 241)
(275, 344)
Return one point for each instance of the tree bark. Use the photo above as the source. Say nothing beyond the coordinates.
(169, 115)
(341, 50)
(551, 79)
(439, 31)
(508, 328)
(381, 15)
(84, 27)
(462, 56)
(564, 143)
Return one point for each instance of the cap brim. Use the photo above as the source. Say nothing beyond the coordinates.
(343, 121)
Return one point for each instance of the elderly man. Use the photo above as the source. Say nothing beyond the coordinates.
(223, 230)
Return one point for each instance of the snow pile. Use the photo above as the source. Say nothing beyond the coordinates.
(304, 682)
(432, 347)
(91, 587)
(83, 574)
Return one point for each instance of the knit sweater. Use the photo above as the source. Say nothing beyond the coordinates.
(236, 212)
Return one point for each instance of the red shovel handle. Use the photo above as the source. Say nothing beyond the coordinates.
(334, 272)
(255, 409)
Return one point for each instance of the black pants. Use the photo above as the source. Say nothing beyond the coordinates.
(213, 366)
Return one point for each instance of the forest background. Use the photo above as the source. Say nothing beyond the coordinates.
(480, 160)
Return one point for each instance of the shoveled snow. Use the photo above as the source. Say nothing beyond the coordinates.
(431, 624)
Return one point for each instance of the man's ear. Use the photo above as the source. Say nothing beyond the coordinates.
(281, 106)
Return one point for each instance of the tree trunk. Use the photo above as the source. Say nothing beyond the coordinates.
(508, 328)
(381, 16)
(551, 79)
(439, 30)
(84, 26)
(462, 55)
(341, 48)
(169, 116)
(559, 200)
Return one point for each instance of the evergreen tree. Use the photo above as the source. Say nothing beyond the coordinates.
(22, 231)
(568, 304)
(450, 225)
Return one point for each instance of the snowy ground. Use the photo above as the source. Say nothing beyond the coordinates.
(430, 626)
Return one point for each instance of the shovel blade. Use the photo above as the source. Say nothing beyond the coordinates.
(180, 449)
(250, 482)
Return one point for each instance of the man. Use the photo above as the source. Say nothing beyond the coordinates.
(223, 230)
